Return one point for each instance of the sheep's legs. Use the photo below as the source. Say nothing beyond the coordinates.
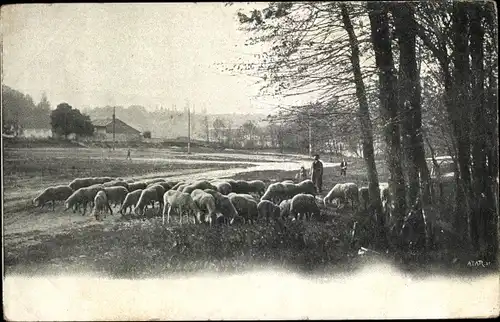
(110, 211)
(53, 205)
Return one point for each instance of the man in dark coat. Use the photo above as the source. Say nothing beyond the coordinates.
(343, 167)
(317, 173)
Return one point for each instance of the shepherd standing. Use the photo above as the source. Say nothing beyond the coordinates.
(317, 173)
(343, 167)
(128, 155)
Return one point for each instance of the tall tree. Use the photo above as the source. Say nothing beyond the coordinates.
(363, 111)
(382, 44)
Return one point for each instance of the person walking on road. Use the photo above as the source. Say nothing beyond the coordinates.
(317, 173)
(343, 167)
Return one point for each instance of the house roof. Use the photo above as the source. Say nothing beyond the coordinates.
(102, 122)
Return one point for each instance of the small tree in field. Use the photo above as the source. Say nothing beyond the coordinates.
(147, 134)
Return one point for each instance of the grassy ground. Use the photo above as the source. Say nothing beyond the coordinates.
(39, 242)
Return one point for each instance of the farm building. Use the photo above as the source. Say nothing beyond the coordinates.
(36, 133)
(103, 130)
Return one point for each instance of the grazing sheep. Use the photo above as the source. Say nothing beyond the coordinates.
(166, 186)
(181, 187)
(351, 193)
(223, 187)
(245, 207)
(155, 180)
(177, 185)
(246, 195)
(116, 183)
(53, 194)
(81, 183)
(206, 203)
(275, 192)
(285, 208)
(307, 187)
(223, 205)
(148, 197)
(337, 192)
(136, 186)
(364, 197)
(82, 197)
(130, 181)
(130, 200)
(160, 191)
(101, 204)
(202, 184)
(240, 186)
(172, 184)
(116, 194)
(257, 186)
(181, 202)
(305, 205)
(267, 210)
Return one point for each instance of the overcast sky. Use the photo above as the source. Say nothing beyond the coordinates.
(124, 54)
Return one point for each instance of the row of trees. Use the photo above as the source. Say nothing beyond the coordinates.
(286, 132)
(355, 52)
(20, 111)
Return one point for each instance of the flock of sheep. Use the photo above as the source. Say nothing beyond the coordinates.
(204, 201)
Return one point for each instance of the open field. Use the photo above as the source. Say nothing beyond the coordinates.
(42, 242)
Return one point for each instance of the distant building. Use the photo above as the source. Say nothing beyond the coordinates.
(103, 130)
(36, 133)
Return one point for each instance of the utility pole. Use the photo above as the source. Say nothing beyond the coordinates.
(310, 131)
(189, 129)
(114, 118)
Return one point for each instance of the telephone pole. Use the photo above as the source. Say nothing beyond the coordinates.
(189, 130)
(310, 131)
(114, 117)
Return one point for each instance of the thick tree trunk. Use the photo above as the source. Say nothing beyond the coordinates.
(409, 93)
(478, 134)
(460, 115)
(410, 100)
(363, 110)
(388, 105)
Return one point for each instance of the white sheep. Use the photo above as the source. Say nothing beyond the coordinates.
(257, 186)
(82, 197)
(285, 208)
(130, 201)
(202, 184)
(160, 191)
(268, 211)
(53, 194)
(101, 204)
(307, 187)
(364, 197)
(351, 193)
(155, 180)
(337, 192)
(305, 205)
(116, 183)
(136, 186)
(148, 197)
(181, 202)
(206, 203)
(275, 192)
(78, 183)
(223, 187)
(223, 205)
(246, 195)
(116, 194)
(245, 207)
